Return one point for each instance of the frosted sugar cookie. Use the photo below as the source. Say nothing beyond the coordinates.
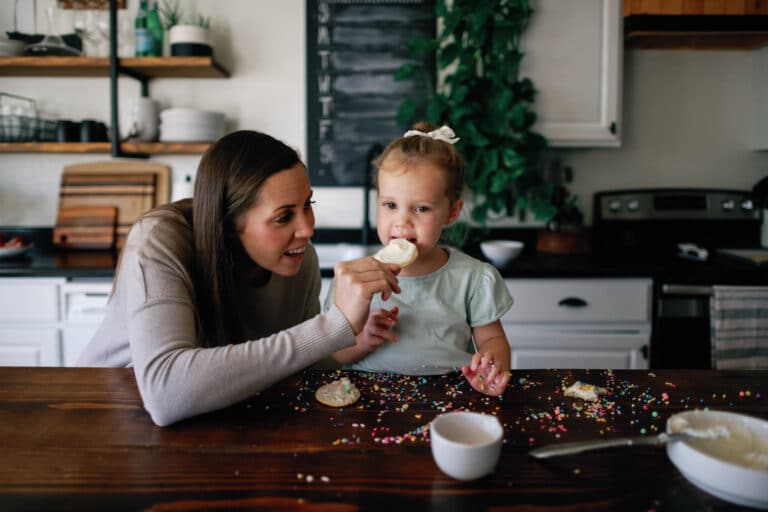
(587, 392)
(399, 252)
(338, 393)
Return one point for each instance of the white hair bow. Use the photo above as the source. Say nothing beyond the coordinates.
(444, 133)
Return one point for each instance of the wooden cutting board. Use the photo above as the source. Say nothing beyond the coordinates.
(131, 187)
(85, 227)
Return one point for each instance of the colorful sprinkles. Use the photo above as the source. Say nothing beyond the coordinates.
(626, 406)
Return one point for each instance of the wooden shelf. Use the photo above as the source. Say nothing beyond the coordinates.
(151, 148)
(150, 67)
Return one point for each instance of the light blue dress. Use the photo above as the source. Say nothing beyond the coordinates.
(436, 315)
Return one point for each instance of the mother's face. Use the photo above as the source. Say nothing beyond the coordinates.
(275, 231)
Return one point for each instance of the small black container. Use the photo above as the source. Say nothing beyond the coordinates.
(191, 50)
(93, 131)
(67, 131)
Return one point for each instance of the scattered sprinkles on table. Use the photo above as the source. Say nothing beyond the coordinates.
(643, 407)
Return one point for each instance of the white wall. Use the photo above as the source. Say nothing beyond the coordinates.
(688, 116)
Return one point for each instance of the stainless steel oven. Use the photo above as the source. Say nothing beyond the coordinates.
(673, 235)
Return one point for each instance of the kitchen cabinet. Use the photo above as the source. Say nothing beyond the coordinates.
(48, 321)
(573, 55)
(83, 305)
(29, 321)
(695, 24)
(579, 323)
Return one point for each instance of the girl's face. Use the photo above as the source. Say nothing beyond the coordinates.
(413, 205)
(275, 231)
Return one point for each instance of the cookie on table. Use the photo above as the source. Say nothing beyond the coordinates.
(338, 393)
(584, 391)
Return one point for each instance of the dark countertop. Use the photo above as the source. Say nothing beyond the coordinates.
(45, 260)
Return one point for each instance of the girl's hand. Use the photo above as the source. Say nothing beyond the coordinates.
(486, 375)
(357, 281)
(378, 329)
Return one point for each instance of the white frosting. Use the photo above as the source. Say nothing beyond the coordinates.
(399, 252)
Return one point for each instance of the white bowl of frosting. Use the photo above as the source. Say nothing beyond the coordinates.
(726, 454)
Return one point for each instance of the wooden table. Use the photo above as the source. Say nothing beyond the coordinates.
(77, 438)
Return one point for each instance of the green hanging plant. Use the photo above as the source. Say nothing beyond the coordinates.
(482, 97)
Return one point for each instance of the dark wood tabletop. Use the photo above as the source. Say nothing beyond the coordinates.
(79, 439)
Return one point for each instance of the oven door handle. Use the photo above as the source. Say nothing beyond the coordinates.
(686, 290)
(573, 302)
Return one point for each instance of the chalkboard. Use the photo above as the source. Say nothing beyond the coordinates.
(353, 50)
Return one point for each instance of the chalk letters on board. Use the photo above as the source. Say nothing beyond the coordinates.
(353, 50)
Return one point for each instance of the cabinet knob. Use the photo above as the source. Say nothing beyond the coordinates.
(572, 302)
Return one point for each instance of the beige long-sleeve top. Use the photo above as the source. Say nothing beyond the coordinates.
(150, 325)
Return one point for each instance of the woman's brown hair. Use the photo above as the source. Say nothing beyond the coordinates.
(442, 154)
(229, 177)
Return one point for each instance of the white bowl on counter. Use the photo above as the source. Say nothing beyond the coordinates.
(501, 252)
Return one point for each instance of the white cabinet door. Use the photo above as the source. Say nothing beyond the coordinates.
(573, 53)
(596, 347)
(29, 299)
(84, 304)
(593, 359)
(29, 346)
(74, 338)
(30, 321)
(579, 323)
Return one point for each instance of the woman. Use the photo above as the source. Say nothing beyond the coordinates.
(216, 298)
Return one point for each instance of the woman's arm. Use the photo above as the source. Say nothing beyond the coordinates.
(179, 379)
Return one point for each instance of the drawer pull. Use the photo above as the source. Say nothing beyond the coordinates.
(572, 302)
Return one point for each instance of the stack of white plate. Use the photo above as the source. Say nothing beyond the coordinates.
(189, 125)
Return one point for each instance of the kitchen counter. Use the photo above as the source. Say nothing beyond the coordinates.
(47, 261)
(69, 264)
(78, 438)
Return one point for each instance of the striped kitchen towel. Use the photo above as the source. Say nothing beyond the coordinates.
(739, 321)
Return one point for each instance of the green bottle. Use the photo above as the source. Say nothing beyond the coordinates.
(155, 27)
(144, 43)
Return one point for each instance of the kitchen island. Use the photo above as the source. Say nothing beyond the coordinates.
(79, 439)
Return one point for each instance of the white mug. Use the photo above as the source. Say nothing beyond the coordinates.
(143, 121)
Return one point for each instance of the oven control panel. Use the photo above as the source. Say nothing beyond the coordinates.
(678, 204)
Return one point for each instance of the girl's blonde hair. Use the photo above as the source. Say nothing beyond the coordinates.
(440, 153)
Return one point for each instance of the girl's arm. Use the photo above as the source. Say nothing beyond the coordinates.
(489, 370)
(377, 330)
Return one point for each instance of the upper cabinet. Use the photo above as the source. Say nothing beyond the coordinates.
(573, 54)
(696, 24)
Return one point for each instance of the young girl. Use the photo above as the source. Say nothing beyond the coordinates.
(447, 298)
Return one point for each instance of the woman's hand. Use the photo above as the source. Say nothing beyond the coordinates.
(378, 329)
(357, 281)
(486, 375)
